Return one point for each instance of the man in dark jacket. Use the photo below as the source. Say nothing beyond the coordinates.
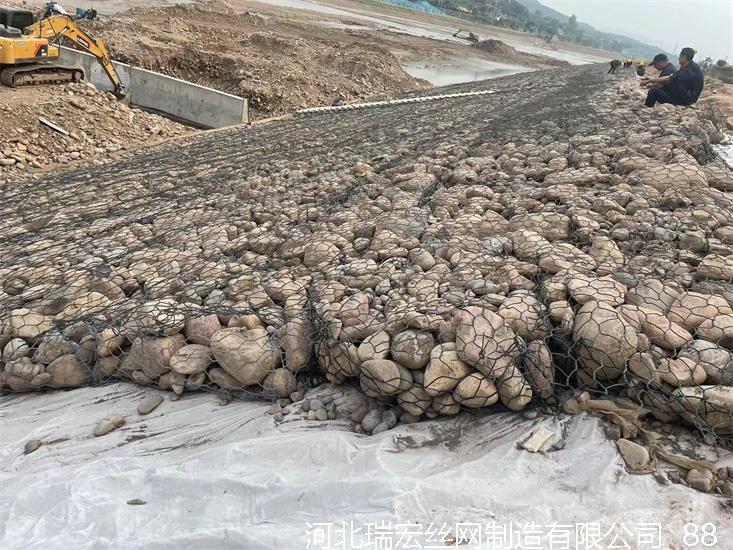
(682, 87)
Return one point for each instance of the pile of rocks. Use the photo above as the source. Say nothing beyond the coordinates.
(95, 125)
(509, 271)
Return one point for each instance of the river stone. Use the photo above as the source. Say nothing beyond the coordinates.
(445, 404)
(68, 372)
(607, 255)
(223, 379)
(602, 289)
(247, 355)
(199, 330)
(701, 479)
(715, 360)
(483, 340)
(15, 349)
(110, 342)
(412, 348)
(191, 359)
(31, 445)
(538, 368)
(514, 391)
(149, 403)
(525, 315)
(681, 372)
(605, 341)
(385, 377)
(713, 404)
(281, 382)
(374, 346)
(153, 355)
(52, 348)
(445, 370)
(718, 330)
(371, 420)
(108, 425)
(156, 317)
(661, 331)
(23, 323)
(296, 342)
(476, 391)
(691, 309)
(716, 268)
(415, 400)
(652, 294)
(635, 456)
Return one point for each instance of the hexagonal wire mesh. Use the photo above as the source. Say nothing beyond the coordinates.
(481, 270)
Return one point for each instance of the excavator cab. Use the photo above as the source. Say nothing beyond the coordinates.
(15, 18)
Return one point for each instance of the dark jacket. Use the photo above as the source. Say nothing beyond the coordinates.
(686, 84)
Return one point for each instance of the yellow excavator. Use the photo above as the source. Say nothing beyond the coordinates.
(29, 50)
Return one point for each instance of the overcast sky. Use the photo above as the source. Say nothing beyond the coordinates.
(706, 25)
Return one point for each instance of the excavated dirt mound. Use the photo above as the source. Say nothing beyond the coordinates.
(495, 46)
(96, 123)
(279, 65)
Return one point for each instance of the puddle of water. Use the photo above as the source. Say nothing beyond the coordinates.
(456, 71)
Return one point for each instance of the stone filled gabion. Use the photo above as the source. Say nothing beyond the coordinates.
(437, 265)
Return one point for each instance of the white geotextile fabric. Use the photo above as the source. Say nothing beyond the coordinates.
(227, 477)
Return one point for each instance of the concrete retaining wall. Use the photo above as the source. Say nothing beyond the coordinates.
(150, 90)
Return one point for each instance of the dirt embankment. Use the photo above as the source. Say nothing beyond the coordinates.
(92, 125)
(279, 65)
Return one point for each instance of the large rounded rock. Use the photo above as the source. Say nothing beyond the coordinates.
(412, 348)
(538, 368)
(476, 391)
(526, 316)
(681, 372)
(604, 340)
(715, 267)
(652, 294)
(15, 349)
(414, 400)
(709, 406)
(514, 391)
(385, 377)
(607, 255)
(317, 253)
(199, 330)
(717, 362)
(584, 289)
(247, 355)
(296, 341)
(374, 346)
(484, 340)
(691, 309)
(52, 348)
(718, 330)
(68, 372)
(445, 369)
(157, 317)
(153, 355)
(191, 359)
(23, 323)
(280, 382)
(661, 331)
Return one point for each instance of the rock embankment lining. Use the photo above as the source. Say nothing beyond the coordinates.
(499, 250)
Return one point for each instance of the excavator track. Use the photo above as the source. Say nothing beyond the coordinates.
(39, 73)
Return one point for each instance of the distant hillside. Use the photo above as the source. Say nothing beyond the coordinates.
(534, 17)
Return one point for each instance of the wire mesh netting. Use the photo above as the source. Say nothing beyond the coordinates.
(489, 252)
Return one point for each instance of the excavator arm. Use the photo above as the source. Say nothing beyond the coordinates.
(56, 27)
